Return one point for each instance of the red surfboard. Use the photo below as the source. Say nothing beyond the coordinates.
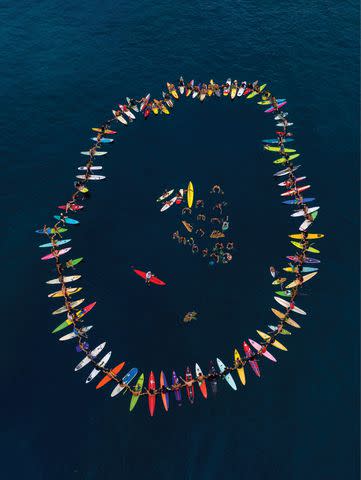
(153, 279)
(71, 207)
(151, 397)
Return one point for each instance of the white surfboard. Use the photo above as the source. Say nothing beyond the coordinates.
(300, 213)
(90, 356)
(56, 281)
(286, 304)
(96, 370)
(95, 154)
(71, 335)
(91, 177)
(93, 167)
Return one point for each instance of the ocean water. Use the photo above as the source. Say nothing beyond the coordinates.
(64, 66)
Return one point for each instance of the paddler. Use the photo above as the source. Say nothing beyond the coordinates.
(181, 82)
(132, 103)
(171, 87)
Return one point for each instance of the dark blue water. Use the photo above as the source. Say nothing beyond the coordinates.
(64, 66)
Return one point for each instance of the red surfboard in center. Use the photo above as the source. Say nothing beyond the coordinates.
(153, 279)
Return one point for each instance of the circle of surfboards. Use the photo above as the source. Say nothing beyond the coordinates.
(75, 315)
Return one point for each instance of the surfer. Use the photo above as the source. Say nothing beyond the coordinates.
(148, 277)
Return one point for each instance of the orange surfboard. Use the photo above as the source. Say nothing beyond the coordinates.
(108, 378)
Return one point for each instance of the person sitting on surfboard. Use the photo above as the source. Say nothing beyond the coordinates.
(148, 276)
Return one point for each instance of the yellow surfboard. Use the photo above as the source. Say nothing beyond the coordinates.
(190, 194)
(296, 282)
(69, 291)
(275, 343)
(282, 316)
(309, 236)
(240, 371)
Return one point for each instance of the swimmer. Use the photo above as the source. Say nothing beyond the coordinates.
(215, 219)
(175, 235)
(191, 241)
(186, 210)
(200, 203)
(217, 189)
(188, 317)
(229, 246)
(204, 252)
(200, 232)
(215, 257)
(201, 217)
(195, 248)
(218, 206)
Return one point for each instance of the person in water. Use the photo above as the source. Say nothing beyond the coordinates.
(204, 252)
(229, 246)
(217, 189)
(201, 217)
(216, 219)
(200, 204)
(195, 248)
(200, 232)
(186, 210)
